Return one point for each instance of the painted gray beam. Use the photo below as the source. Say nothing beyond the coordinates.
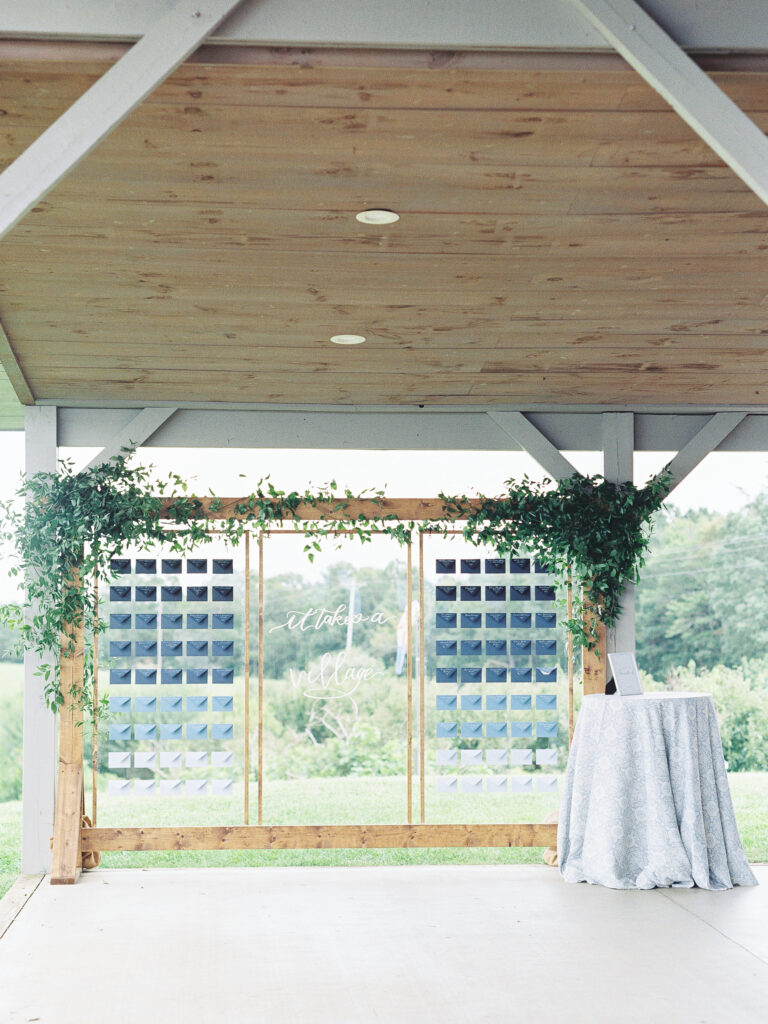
(671, 72)
(705, 441)
(134, 434)
(102, 107)
(39, 725)
(618, 466)
(533, 441)
(13, 370)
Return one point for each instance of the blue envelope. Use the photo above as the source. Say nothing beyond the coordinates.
(546, 730)
(471, 620)
(146, 565)
(120, 705)
(545, 593)
(146, 676)
(471, 593)
(197, 593)
(197, 622)
(540, 567)
(172, 704)
(118, 620)
(520, 565)
(118, 566)
(172, 648)
(223, 649)
(446, 675)
(197, 648)
(145, 732)
(471, 702)
(146, 621)
(221, 731)
(221, 703)
(495, 730)
(445, 702)
(146, 594)
(445, 620)
(197, 676)
(520, 703)
(495, 565)
(471, 647)
(520, 675)
(445, 565)
(519, 730)
(470, 565)
(171, 677)
(171, 731)
(519, 621)
(445, 593)
(546, 646)
(222, 566)
(546, 702)
(197, 565)
(171, 620)
(145, 705)
(120, 648)
(119, 593)
(170, 594)
(223, 621)
(495, 593)
(119, 676)
(471, 675)
(471, 730)
(496, 702)
(223, 594)
(119, 733)
(546, 675)
(494, 674)
(146, 648)
(197, 703)
(519, 647)
(196, 731)
(171, 565)
(496, 620)
(446, 648)
(546, 620)
(223, 675)
(446, 730)
(497, 647)
(519, 593)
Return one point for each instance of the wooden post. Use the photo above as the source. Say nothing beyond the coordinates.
(409, 677)
(594, 662)
(67, 824)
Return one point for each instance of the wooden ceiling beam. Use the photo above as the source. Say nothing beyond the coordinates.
(13, 370)
(140, 428)
(534, 442)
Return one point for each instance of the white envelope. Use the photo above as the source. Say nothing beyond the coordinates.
(144, 787)
(496, 784)
(196, 759)
(119, 787)
(470, 784)
(520, 785)
(546, 756)
(448, 785)
(144, 759)
(496, 758)
(446, 757)
(170, 759)
(546, 784)
(221, 787)
(521, 757)
(196, 787)
(171, 787)
(119, 760)
(221, 758)
(472, 757)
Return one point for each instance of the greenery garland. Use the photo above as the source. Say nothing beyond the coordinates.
(585, 530)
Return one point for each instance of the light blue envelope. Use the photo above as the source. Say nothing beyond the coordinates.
(197, 703)
(495, 730)
(145, 705)
(496, 702)
(171, 676)
(170, 731)
(446, 730)
(120, 705)
(471, 702)
(146, 648)
(170, 704)
(521, 703)
(197, 593)
(120, 648)
(546, 702)
(146, 676)
(445, 703)
(196, 731)
(198, 676)
(119, 733)
(519, 729)
(546, 730)
(223, 648)
(471, 730)
(145, 732)
(197, 622)
(223, 675)
(172, 648)
(119, 676)
(221, 704)
(223, 620)
(221, 731)
(197, 648)
(146, 621)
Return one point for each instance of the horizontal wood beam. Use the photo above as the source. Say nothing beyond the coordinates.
(403, 509)
(133, 434)
(13, 370)
(701, 444)
(316, 837)
(534, 442)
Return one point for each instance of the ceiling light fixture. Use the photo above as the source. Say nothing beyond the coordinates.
(347, 339)
(377, 217)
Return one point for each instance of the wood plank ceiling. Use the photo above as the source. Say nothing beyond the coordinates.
(564, 238)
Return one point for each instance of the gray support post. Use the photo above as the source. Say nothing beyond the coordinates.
(618, 466)
(39, 731)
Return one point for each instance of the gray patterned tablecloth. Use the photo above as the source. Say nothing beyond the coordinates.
(645, 797)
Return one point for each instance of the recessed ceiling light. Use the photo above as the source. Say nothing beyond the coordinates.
(348, 339)
(377, 217)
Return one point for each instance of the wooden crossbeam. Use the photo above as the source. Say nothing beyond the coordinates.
(713, 433)
(416, 509)
(518, 427)
(133, 434)
(10, 363)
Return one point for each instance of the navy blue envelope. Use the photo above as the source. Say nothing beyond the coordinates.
(471, 620)
(471, 675)
(146, 593)
(545, 593)
(546, 620)
(540, 567)
(172, 648)
(445, 593)
(223, 594)
(471, 647)
(470, 565)
(223, 621)
(446, 648)
(146, 565)
(222, 566)
(197, 648)
(197, 675)
(471, 593)
(146, 648)
(546, 646)
(445, 565)
(520, 565)
(197, 593)
(171, 677)
(197, 565)
(495, 593)
(223, 675)
(496, 620)
(120, 565)
(520, 675)
(119, 593)
(519, 593)
(519, 647)
(495, 565)
(119, 676)
(496, 647)
(118, 620)
(197, 622)
(146, 676)
(172, 621)
(171, 565)
(445, 620)
(446, 675)
(170, 594)
(546, 675)
(519, 621)
(495, 675)
(223, 648)
(496, 702)
(148, 621)
(120, 648)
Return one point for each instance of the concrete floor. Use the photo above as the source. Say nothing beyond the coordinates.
(392, 945)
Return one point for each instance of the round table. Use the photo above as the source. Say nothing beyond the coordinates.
(645, 796)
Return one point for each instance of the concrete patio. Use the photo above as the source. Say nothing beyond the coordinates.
(397, 945)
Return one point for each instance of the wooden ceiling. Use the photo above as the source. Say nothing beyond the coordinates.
(564, 238)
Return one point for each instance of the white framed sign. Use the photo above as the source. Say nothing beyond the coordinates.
(625, 674)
